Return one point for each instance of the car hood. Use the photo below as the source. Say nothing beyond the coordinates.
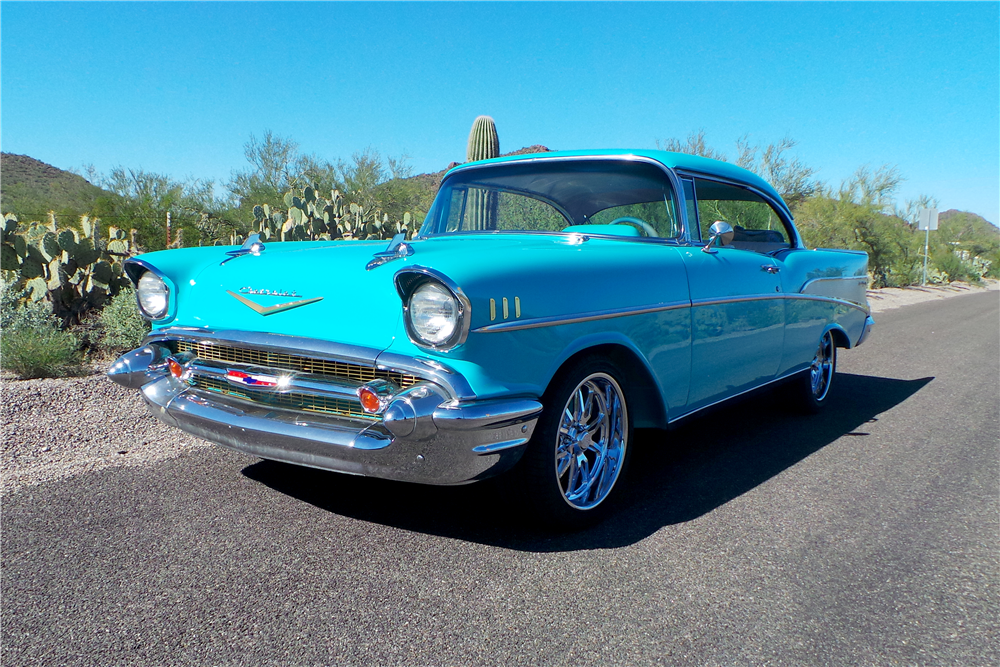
(337, 299)
(316, 290)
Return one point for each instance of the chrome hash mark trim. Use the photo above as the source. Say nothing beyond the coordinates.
(537, 322)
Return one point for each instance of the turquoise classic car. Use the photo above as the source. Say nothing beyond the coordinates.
(549, 305)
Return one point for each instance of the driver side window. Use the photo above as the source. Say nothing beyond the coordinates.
(757, 226)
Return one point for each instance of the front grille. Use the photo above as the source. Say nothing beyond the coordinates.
(290, 401)
(292, 362)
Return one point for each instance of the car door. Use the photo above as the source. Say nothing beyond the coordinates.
(737, 308)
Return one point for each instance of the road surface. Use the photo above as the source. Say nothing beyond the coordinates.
(751, 536)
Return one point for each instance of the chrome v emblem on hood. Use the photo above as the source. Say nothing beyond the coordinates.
(271, 310)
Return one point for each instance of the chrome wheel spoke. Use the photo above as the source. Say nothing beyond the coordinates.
(592, 441)
(822, 367)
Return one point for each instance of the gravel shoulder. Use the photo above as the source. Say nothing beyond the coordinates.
(894, 297)
(58, 428)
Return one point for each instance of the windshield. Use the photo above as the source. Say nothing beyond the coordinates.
(615, 197)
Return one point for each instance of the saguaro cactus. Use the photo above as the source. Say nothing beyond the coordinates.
(483, 140)
(483, 145)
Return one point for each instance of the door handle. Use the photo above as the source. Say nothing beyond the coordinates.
(770, 268)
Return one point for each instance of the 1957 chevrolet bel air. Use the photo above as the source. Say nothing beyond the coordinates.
(548, 305)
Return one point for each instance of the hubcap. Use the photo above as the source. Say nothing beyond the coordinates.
(593, 435)
(821, 369)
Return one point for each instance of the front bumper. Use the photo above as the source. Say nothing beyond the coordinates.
(425, 434)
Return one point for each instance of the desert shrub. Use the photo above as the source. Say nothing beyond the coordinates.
(124, 327)
(32, 344)
(955, 266)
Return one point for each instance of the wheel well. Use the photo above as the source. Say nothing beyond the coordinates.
(840, 338)
(645, 400)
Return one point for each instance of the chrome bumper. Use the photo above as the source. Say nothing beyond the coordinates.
(869, 323)
(423, 435)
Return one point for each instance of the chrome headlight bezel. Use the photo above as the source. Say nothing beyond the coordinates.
(411, 280)
(138, 271)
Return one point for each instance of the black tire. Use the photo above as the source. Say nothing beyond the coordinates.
(575, 463)
(811, 389)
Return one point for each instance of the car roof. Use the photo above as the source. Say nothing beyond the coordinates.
(681, 161)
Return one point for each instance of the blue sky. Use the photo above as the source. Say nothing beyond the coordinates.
(178, 88)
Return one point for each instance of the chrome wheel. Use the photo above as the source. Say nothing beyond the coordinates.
(591, 442)
(822, 367)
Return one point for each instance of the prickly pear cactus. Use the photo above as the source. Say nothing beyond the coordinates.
(75, 271)
(312, 217)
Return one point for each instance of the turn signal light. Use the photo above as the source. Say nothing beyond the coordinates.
(175, 367)
(369, 400)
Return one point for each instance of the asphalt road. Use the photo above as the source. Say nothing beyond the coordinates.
(867, 535)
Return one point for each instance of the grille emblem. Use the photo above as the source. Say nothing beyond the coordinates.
(251, 379)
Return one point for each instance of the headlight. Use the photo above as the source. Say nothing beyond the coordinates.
(435, 313)
(153, 296)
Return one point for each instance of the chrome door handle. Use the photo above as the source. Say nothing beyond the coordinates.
(770, 268)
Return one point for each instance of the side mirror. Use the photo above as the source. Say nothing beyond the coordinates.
(721, 234)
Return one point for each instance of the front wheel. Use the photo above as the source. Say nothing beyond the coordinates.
(579, 450)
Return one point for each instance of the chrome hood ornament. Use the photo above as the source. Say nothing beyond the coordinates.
(252, 246)
(397, 249)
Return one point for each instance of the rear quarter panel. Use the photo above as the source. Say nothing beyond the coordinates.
(831, 286)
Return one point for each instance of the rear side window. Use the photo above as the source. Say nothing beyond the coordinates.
(757, 225)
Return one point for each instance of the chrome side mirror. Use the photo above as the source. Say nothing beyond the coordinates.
(719, 231)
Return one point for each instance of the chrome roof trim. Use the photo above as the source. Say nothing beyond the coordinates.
(778, 204)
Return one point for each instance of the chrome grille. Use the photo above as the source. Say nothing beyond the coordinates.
(286, 401)
(292, 362)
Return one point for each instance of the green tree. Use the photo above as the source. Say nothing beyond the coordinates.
(141, 199)
(788, 175)
(275, 168)
(857, 216)
(694, 144)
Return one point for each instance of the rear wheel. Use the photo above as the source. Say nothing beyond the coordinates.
(580, 448)
(812, 388)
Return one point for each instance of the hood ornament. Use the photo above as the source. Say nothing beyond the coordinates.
(397, 249)
(252, 246)
(270, 310)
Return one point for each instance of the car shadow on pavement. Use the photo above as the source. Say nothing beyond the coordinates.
(675, 476)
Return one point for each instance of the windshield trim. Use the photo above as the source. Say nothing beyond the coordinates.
(683, 238)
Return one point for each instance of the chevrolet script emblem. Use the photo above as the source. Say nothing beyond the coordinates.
(270, 310)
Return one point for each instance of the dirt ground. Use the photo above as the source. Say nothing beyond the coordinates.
(894, 297)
